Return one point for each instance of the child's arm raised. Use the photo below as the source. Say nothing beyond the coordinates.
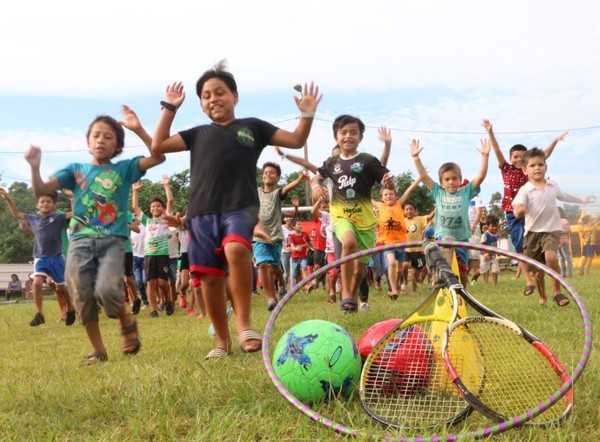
(33, 155)
(168, 194)
(302, 177)
(490, 131)
(163, 142)
(11, 206)
(484, 149)
(386, 136)
(132, 122)
(296, 160)
(135, 197)
(415, 150)
(307, 105)
(409, 190)
(550, 148)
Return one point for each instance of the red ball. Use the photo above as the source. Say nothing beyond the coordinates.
(405, 365)
(373, 335)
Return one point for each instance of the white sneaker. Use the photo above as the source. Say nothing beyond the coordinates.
(364, 306)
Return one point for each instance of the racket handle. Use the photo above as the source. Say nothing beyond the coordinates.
(435, 261)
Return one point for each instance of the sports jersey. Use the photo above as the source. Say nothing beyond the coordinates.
(351, 183)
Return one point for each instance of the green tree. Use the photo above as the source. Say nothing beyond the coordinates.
(16, 246)
(495, 204)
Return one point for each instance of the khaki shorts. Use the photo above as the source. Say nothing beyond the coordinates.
(538, 243)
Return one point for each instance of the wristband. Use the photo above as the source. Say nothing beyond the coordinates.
(168, 106)
(307, 114)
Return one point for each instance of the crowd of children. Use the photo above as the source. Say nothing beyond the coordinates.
(231, 225)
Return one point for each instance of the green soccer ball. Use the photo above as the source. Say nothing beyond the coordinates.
(317, 360)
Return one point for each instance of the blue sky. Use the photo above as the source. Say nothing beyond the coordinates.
(429, 70)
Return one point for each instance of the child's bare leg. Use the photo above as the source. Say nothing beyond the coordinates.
(153, 293)
(347, 269)
(266, 277)
(495, 278)
(92, 330)
(540, 285)
(37, 293)
(199, 296)
(392, 266)
(240, 285)
(213, 289)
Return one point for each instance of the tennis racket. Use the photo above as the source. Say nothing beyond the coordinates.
(403, 382)
(501, 369)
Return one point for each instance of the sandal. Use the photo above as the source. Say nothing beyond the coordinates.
(561, 300)
(131, 346)
(94, 358)
(393, 296)
(249, 335)
(348, 305)
(528, 290)
(217, 353)
(331, 299)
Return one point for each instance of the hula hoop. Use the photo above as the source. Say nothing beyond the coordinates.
(477, 434)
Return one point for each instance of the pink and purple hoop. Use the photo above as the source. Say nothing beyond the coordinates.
(480, 433)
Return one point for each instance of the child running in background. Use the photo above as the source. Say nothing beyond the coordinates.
(564, 246)
(536, 201)
(223, 209)
(415, 228)
(489, 260)
(514, 178)
(587, 238)
(99, 227)
(452, 201)
(49, 261)
(299, 243)
(352, 176)
(392, 230)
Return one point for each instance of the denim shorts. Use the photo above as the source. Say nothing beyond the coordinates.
(265, 252)
(516, 228)
(95, 276)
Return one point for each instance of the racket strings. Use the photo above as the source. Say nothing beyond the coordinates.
(406, 384)
(507, 373)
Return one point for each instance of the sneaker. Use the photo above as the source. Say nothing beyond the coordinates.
(161, 306)
(135, 308)
(169, 308)
(70, 319)
(154, 314)
(191, 311)
(182, 301)
(364, 306)
(38, 319)
(144, 307)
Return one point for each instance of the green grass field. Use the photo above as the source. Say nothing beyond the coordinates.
(168, 392)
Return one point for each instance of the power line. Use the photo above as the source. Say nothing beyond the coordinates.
(416, 131)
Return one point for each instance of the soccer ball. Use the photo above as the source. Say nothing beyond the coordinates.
(317, 360)
(405, 365)
(373, 335)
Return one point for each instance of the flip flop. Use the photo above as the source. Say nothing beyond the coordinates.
(393, 296)
(561, 300)
(528, 290)
(348, 305)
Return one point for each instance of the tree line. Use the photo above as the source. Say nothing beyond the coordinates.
(16, 246)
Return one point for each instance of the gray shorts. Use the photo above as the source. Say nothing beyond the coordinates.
(94, 275)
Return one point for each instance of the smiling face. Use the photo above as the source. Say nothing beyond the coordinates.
(388, 196)
(156, 209)
(516, 158)
(218, 101)
(45, 204)
(348, 137)
(270, 176)
(409, 211)
(102, 143)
